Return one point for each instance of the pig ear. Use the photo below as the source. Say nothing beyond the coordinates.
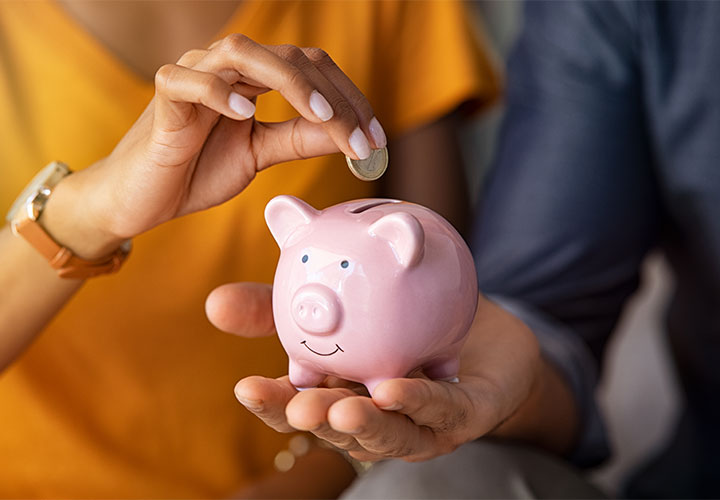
(284, 214)
(405, 235)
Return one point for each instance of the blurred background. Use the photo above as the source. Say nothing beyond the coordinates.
(638, 393)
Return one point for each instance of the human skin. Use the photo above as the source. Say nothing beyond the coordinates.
(92, 211)
(163, 31)
(196, 145)
(506, 390)
(38, 294)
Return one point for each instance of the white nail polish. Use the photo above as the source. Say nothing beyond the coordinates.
(359, 144)
(320, 106)
(241, 105)
(377, 133)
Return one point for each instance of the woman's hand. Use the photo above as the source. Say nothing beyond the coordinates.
(197, 144)
(503, 391)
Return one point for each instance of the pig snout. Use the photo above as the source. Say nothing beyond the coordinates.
(316, 309)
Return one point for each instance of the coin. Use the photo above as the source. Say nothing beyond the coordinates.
(372, 167)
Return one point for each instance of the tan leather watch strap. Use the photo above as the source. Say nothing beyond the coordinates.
(25, 214)
(62, 259)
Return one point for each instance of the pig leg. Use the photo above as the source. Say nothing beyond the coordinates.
(445, 369)
(302, 377)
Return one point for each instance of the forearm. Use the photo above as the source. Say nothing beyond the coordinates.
(426, 168)
(32, 295)
(32, 291)
(549, 416)
(533, 401)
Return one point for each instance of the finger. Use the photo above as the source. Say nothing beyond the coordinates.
(256, 65)
(445, 407)
(271, 143)
(267, 399)
(294, 139)
(178, 87)
(191, 57)
(215, 43)
(242, 309)
(325, 65)
(259, 66)
(366, 456)
(337, 439)
(249, 91)
(381, 432)
(342, 121)
(308, 411)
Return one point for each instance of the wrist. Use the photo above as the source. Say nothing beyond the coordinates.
(72, 219)
(547, 417)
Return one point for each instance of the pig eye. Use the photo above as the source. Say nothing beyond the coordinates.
(344, 264)
(304, 259)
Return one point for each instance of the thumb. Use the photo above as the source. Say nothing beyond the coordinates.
(438, 405)
(242, 309)
(294, 139)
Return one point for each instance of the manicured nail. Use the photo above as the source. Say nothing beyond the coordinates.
(320, 106)
(359, 144)
(250, 404)
(241, 105)
(377, 133)
(393, 407)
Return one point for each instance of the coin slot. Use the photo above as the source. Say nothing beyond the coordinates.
(368, 206)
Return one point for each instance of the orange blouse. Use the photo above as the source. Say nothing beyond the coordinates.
(128, 392)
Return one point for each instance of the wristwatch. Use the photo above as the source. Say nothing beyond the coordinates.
(23, 218)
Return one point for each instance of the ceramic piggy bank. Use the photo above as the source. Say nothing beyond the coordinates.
(369, 290)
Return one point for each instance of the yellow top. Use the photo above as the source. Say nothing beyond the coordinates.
(128, 393)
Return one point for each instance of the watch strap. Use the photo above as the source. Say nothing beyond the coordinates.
(62, 259)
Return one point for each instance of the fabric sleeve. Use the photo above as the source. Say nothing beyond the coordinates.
(571, 207)
(433, 58)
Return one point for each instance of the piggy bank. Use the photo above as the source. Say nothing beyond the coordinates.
(369, 290)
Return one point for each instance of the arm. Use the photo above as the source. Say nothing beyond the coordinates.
(195, 146)
(427, 168)
(569, 213)
(37, 295)
(571, 208)
(433, 68)
(504, 388)
(548, 417)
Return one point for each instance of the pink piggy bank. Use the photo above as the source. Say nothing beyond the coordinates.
(369, 290)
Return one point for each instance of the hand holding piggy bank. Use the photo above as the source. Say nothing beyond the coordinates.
(369, 290)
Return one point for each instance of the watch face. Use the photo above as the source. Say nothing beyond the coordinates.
(47, 177)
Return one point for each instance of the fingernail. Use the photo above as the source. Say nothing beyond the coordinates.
(393, 407)
(359, 144)
(320, 106)
(250, 404)
(377, 133)
(357, 430)
(241, 105)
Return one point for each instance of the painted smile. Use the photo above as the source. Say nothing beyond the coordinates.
(337, 348)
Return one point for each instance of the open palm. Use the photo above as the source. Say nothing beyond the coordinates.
(410, 418)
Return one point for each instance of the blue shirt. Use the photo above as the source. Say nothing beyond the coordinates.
(610, 148)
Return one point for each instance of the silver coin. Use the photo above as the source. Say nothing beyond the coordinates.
(372, 167)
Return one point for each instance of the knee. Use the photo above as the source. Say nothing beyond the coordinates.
(479, 469)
